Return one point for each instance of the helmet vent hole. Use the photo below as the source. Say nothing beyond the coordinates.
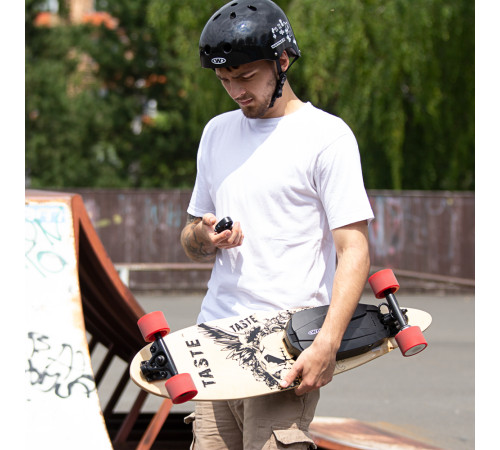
(234, 4)
(216, 17)
(207, 49)
(227, 48)
(253, 8)
(232, 15)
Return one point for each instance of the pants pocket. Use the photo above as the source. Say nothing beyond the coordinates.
(293, 439)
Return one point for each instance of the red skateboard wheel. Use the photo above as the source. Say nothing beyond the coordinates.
(153, 323)
(411, 341)
(181, 388)
(383, 282)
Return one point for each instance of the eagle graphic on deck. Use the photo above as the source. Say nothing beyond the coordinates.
(257, 349)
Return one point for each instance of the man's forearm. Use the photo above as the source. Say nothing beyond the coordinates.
(194, 247)
(350, 277)
(316, 364)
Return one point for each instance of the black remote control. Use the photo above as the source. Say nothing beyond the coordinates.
(224, 224)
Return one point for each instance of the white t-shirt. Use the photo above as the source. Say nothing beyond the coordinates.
(289, 181)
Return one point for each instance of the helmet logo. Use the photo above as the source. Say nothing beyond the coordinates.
(218, 60)
(278, 43)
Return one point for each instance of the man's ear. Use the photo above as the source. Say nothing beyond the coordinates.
(284, 61)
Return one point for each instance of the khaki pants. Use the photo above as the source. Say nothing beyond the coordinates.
(275, 421)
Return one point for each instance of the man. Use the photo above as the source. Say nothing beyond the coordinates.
(290, 176)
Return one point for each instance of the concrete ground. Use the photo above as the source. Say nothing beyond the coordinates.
(428, 397)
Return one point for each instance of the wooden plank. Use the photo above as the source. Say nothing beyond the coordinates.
(155, 425)
(333, 433)
(127, 425)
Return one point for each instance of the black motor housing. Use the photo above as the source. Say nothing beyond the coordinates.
(365, 331)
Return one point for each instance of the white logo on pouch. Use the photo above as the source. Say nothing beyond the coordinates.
(313, 332)
(218, 60)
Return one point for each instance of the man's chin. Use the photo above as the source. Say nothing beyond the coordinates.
(251, 112)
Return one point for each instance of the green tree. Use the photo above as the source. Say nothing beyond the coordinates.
(63, 125)
(401, 75)
(126, 106)
(103, 106)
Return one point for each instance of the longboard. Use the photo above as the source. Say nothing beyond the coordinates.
(247, 356)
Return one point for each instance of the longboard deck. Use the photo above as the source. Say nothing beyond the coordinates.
(242, 357)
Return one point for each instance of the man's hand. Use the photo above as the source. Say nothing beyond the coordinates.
(314, 366)
(200, 241)
(227, 238)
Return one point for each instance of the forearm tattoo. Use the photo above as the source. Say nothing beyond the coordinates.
(193, 247)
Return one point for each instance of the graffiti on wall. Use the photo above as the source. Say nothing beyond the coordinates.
(58, 368)
(425, 234)
(42, 234)
(412, 230)
(53, 366)
(386, 232)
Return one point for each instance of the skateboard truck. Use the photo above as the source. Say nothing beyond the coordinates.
(396, 318)
(409, 338)
(160, 366)
(368, 326)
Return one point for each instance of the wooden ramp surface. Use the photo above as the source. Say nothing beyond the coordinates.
(341, 434)
(61, 393)
(71, 290)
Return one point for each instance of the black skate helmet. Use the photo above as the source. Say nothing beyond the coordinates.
(245, 31)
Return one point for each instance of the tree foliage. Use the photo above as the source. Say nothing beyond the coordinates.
(126, 106)
(402, 75)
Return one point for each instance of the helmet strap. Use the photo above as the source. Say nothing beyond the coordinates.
(278, 92)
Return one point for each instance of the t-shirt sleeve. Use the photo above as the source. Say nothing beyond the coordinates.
(339, 181)
(201, 201)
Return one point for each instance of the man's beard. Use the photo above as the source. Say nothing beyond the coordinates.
(261, 109)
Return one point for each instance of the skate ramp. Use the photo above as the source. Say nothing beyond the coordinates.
(72, 292)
